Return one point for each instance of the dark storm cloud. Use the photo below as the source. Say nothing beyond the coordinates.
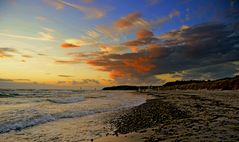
(185, 49)
(212, 72)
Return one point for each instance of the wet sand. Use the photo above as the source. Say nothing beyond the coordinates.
(209, 116)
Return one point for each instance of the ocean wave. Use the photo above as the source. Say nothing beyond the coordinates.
(67, 100)
(41, 119)
(44, 118)
(24, 123)
(20, 119)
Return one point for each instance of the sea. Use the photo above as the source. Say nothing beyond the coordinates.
(60, 115)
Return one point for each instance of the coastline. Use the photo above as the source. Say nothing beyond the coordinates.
(205, 116)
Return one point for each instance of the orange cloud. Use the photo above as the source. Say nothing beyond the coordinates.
(133, 23)
(124, 25)
(134, 49)
(118, 73)
(120, 66)
(144, 34)
(140, 64)
(90, 39)
(111, 48)
(69, 45)
(128, 20)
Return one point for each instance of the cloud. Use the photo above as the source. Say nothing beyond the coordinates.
(24, 84)
(79, 57)
(87, 1)
(187, 48)
(44, 35)
(67, 61)
(122, 66)
(124, 25)
(5, 80)
(27, 56)
(82, 82)
(162, 20)
(73, 43)
(41, 18)
(91, 39)
(69, 45)
(40, 54)
(90, 12)
(140, 42)
(11, 80)
(61, 82)
(89, 81)
(131, 23)
(22, 80)
(7, 52)
(144, 34)
(130, 20)
(211, 72)
(169, 77)
(111, 48)
(85, 82)
(55, 3)
(61, 75)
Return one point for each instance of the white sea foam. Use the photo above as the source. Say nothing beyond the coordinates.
(32, 113)
(40, 119)
(66, 100)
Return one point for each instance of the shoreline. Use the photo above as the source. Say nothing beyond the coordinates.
(205, 116)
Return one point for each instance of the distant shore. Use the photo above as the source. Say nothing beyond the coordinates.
(219, 84)
(180, 116)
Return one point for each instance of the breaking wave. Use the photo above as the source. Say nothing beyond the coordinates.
(67, 100)
(40, 119)
(16, 120)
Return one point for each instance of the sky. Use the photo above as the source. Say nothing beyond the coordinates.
(96, 43)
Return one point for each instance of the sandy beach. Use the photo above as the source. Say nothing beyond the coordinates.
(207, 116)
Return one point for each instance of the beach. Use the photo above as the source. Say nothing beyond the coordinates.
(205, 116)
(116, 116)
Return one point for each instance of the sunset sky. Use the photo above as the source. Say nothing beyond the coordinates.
(96, 43)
